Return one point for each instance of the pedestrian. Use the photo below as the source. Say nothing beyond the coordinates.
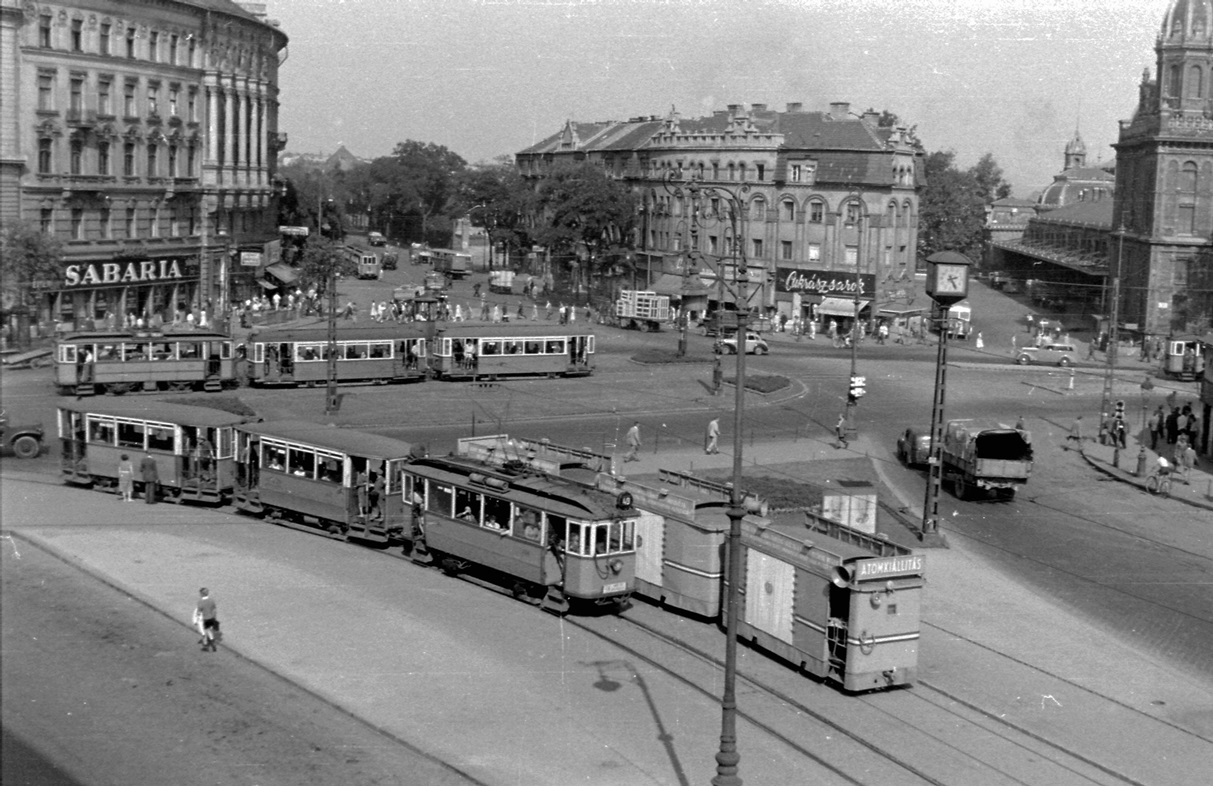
(633, 441)
(126, 478)
(840, 431)
(1171, 426)
(1155, 424)
(1021, 424)
(151, 478)
(1014, 345)
(1187, 460)
(206, 619)
(717, 375)
(1075, 434)
(980, 342)
(713, 436)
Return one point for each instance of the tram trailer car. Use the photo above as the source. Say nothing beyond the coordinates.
(540, 535)
(342, 481)
(123, 361)
(843, 605)
(491, 350)
(1183, 358)
(193, 446)
(299, 356)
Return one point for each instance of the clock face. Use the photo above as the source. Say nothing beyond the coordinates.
(951, 279)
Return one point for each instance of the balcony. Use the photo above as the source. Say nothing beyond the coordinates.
(81, 118)
(153, 118)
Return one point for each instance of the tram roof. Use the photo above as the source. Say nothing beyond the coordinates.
(335, 438)
(385, 332)
(163, 411)
(481, 329)
(551, 493)
(144, 335)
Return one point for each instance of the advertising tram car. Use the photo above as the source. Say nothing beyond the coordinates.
(299, 356)
(192, 446)
(491, 350)
(120, 362)
(1183, 358)
(345, 482)
(543, 536)
(839, 603)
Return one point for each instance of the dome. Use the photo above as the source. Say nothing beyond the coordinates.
(1080, 184)
(1188, 21)
(1076, 147)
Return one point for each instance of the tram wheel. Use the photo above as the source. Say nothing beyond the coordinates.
(519, 590)
(449, 566)
(119, 388)
(180, 387)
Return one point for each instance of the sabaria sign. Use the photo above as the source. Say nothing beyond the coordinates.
(831, 283)
(143, 271)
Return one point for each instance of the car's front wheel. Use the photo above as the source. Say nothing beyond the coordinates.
(1063, 362)
(1023, 360)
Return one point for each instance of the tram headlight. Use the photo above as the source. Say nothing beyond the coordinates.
(616, 565)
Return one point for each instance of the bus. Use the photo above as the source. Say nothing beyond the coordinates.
(452, 264)
(367, 262)
(491, 350)
(306, 475)
(192, 446)
(299, 355)
(120, 361)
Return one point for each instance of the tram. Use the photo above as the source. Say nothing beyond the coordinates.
(1183, 357)
(299, 356)
(345, 482)
(120, 361)
(491, 350)
(546, 538)
(192, 446)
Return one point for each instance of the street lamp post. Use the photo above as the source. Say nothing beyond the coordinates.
(856, 386)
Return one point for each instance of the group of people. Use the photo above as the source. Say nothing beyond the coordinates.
(149, 473)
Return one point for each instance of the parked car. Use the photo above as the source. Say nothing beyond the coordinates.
(1052, 354)
(376, 239)
(24, 441)
(914, 446)
(754, 345)
(389, 261)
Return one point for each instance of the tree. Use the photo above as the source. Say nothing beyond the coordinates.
(498, 198)
(951, 208)
(319, 256)
(29, 258)
(990, 182)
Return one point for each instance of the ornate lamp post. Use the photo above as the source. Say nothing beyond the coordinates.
(947, 283)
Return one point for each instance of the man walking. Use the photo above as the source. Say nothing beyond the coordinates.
(840, 431)
(1075, 434)
(206, 617)
(151, 478)
(713, 437)
(633, 440)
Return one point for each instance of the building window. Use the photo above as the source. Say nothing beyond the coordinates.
(46, 92)
(190, 53)
(153, 46)
(785, 250)
(191, 107)
(76, 159)
(46, 221)
(172, 161)
(152, 151)
(77, 35)
(852, 256)
(741, 171)
(128, 100)
(45, 159)
(1188, 178)
(154, 228)
(817, 212)
(174, 223)
(130, 222)
(192, 215)
(760, 172)
(172, 49)
(758, 251)
(1186, 217)
(153, 100)
(76, 96)
(795, 173)
(106, 219)
(103, 43)
(814, 252)
(105, 100)
(128, 159)
(732, 172)
(174, 93)
(77, 223)
(852, 213)
(787, 210)
(44, 31)
(189, 159)
(130, 42)
(103, 157)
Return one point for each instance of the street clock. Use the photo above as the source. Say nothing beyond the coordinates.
(948, 277)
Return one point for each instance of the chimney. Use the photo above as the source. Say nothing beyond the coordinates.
(871, 118)
(839, 109)
(758, 107)
(795, 107)
(734, 109)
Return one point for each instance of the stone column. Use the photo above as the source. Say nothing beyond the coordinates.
(232, 132)
(212, 124)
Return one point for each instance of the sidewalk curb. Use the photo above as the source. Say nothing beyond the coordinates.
(1122, 476)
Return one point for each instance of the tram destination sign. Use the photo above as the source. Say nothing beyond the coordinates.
(887, 567)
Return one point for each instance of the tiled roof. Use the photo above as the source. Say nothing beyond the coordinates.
(1097, 214)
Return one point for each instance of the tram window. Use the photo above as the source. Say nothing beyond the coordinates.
(600, 539)
(589, 345)
(440, 498)
(496, 513)
(621, 536)
(302, 463)
(394, 478)
(160, 438)
(189, 350)
(306, 352)
(490, 347)
(577, 543)
(130, 435)
(527, 522)
(108, 352)
(224, 442)
(161, 351)
(330, 470)
(101, 431)
(556, 346)
(275, 458)
(67, 353)
(534, 348)
(467, 506)
(356, 351)
(381, 349)
(225, 350)
(511, 347)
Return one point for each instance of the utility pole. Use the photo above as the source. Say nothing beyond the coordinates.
(1105, 402)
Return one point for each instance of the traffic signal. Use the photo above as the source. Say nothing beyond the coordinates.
(1120, 410)
(857, 389)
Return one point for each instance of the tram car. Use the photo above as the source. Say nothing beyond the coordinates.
(492, 350)
(1183, 358)
(299, 356)
(192, 446)
(546, 538)
(841, 604)
(120, 362)
(347, 483)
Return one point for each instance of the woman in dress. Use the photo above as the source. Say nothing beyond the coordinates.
(126, 478)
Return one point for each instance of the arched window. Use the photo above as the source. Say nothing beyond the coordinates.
(1195, 82)
(1175, 85)
(787, 210)
(1188, 178)
(817, 212)
(732, 172)
(758, 209)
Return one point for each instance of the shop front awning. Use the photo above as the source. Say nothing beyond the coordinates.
(839, 307)
(283, 272)
(674, 285)
(266, 284)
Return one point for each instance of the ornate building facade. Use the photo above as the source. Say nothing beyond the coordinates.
(829, 203)
(144, 135)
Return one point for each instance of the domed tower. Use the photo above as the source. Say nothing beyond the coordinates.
(1185, 57)
(1076, 152)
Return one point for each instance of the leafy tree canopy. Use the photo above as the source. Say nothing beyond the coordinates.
(318, 257)
(580, 205)
(952, 205)
(27, 254)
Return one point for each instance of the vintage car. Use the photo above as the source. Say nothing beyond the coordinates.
(914, 446)
(755, 344)
(1051, 354)
(25, 441)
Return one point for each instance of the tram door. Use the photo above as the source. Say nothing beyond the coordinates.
(836, 632)
(577, 350)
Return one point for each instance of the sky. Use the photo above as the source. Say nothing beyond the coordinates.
(486, 78)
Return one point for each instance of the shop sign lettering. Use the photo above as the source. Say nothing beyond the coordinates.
(890, 566)
(832, 283)
(133, 272)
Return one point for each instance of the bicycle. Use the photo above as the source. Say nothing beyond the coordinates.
(1159, 483)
